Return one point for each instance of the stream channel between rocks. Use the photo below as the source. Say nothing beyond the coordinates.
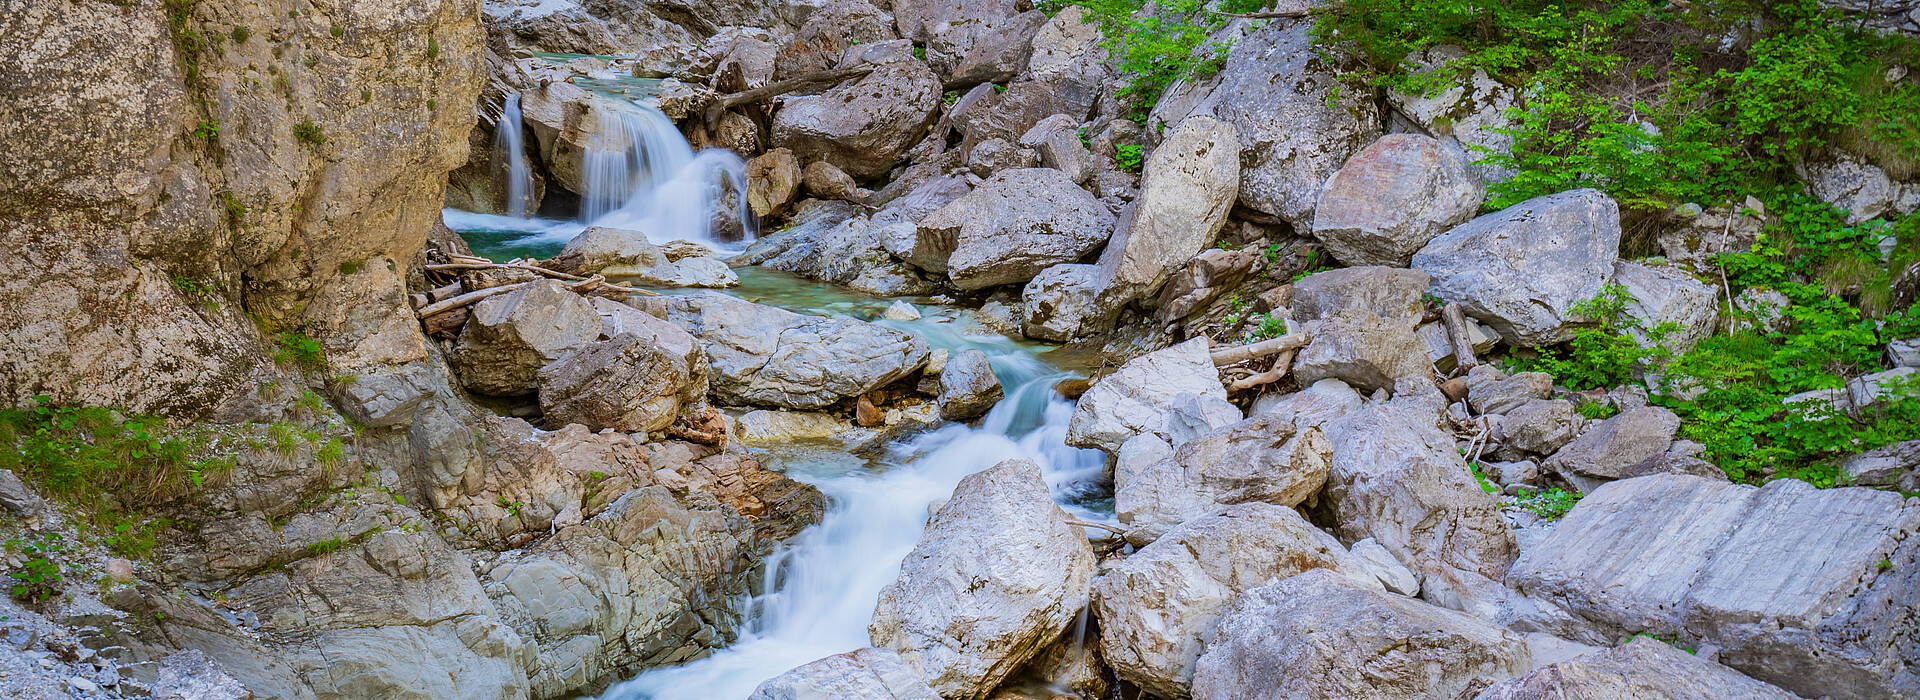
(820, 588)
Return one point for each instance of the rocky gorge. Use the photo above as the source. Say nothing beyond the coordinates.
(656, 349)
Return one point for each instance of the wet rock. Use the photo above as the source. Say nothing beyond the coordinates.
(512, 335)
(997, 575)
(1801, 587)
(628, 254)
(862, 673)
(968, 388)
(864, 127)
(1641, 668)
(1393, 197)
(773, 180)
(1157, 607)
(1011, 227)
(1136, 398)
(1367, 317)
(764, 356)
(1615, 448)
(1265, 459)
(831, 241)
(1396, 477)
(1320, 635)
(827, 182)
(1520, 270)
(1184, 199)
(902, 311)
(1663, 295)
(637, 381)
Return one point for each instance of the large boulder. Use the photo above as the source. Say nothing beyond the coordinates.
(863, 127)
(630, 256)
(968, 387)
(511, 336)
(866, 672)
(968, 41)
(763, 356)
(1471, 112)
(997, 576)
(1296, 120)
(1057, 139)
(1136, 398)
(1674, 310)
(1393, 197)
(1062, 303)
(1367, 335)
(1896, 465)
(636, 381)
(1320, 635)
(1397, 478)
(831, 241)
(830, 29)
(1185, 196)
(1157, 607)
(1010, 228)
(1265, 459)
(773, 180)
(1641, 668)
(1625, 445)
(1520, 270)
(1809, 589)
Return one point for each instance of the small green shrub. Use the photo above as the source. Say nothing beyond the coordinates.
(39, 576)
(308, 133)
(1597, 410)
(1486, 484)
(1550, 504)
(1158, 44)
(337, 31)
(433, 48)
(241, 33)
(208, 130)
(299, 350)
(1130, 157)
(326, 546)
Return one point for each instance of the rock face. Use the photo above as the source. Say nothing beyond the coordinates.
(1320, 635)
(1136, 398)
(1367, 335)
(997, 576)
(512, 335)
(863, 127)
(1665, 295)
(763, 356)
(1011, 227)
(1397, 478)
(1297, 123)
(637, 380)
(968, 388)
(1520, 270)
(1185, 195)
(1157, 607)
(91, 312)
(1393, 197)
(861, 673)
(1641, 668)
(1804, 588)
(1622, 446)
(1265, 459)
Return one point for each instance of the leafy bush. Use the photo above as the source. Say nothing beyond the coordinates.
(1129, 157)
(308, 133)
(39, 576)
(1160, 43)
(299, 350)
(1550, 504)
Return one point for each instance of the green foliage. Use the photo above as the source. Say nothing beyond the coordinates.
(337, 31)
(1550, 504)
(188, 43)
(920, 53)
(1130, 157)
(208, 130)
(1601, 355)
(1486, 484)
(1312, 262)
(1160, 43)
(294, 347)
(1901, 324)
(326, 546)
(39, 576)
(106, 463)
(1266, 327)
(308, 133)
(234, 211)
(433, 48)
(241, 33)
(1597, 410)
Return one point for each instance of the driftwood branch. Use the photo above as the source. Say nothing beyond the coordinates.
(467, 299)
(464, 263)
(1097, 526)
(1264, 348)
(1281, 366)
(780, 87)
(1455, 319)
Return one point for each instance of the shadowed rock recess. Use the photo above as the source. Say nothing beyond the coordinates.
(959, 349)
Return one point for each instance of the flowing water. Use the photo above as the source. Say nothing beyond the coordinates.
(507, 147)
(820, 588)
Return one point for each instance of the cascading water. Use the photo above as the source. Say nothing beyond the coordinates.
(642, 175)
(507, 147)
(821, 587)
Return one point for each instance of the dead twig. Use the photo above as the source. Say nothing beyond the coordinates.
(1281, 366)
(1264, 348)
(778, 88)
(467, 299)
(1097, 526)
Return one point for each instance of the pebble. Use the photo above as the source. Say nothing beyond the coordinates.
(83, 685)
(901, 311)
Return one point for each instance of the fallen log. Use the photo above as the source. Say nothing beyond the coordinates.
(1455, 319)
(778, 88)
(536, 269)
(467, 299)
(1264, 348)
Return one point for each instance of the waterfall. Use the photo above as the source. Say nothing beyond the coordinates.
(821, 587)
(507, 147)
(641, 174)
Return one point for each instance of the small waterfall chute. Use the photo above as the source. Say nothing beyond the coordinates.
(641, 174)
(510, 149)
